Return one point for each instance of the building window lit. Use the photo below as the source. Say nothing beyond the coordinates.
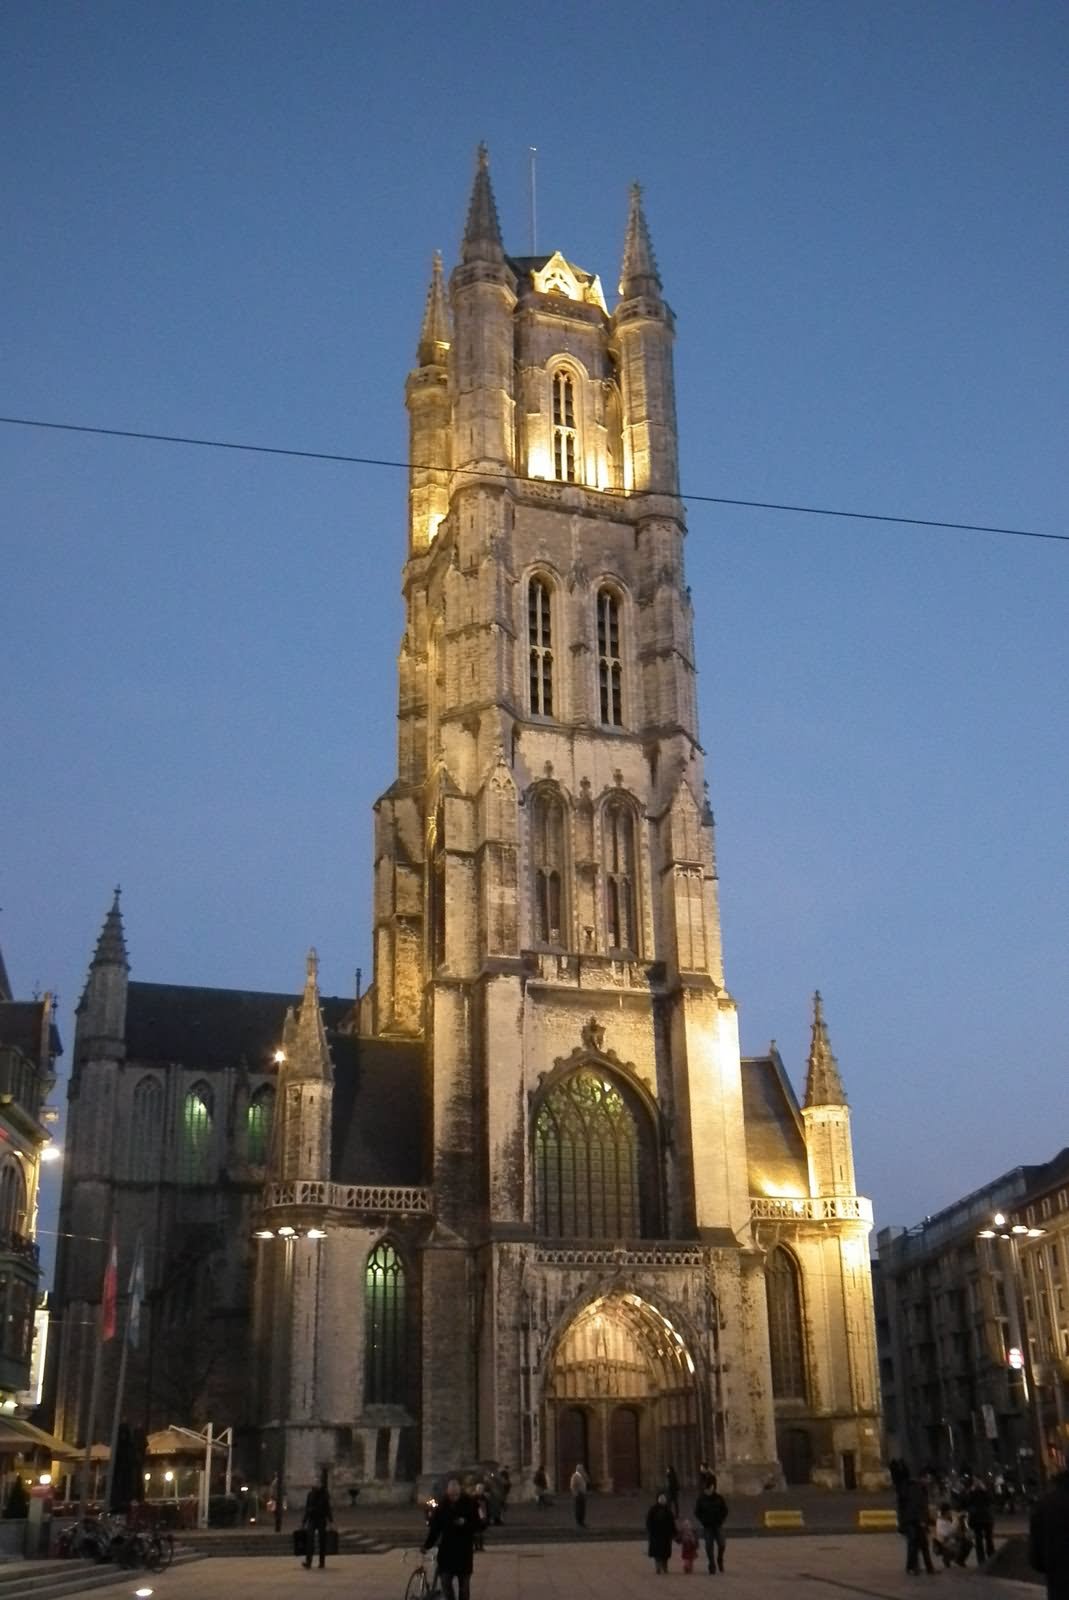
(587, 1160)
(384, 1327)
(540, 645)
(258, 1125)
(196, 1145)
(565, 434)
(610, 670)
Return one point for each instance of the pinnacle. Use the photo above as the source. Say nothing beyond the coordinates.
(639, 274)
(434, 334)
(111, 946)
(305, 1038)
(482, 231)
(823, 1085)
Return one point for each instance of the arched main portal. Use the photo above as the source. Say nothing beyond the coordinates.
(621, 1380)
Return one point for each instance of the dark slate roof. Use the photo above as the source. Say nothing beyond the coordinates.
(20, 1028)
(209, 1029)
(775, 1143)
(379, 1100)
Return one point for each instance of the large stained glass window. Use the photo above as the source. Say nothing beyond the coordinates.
(146, 1131)
(785, 1325)
(258, 1125)
(587, 1161)
(384, 1328)
(196, 1147)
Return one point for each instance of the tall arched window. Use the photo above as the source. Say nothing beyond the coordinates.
(587, 1161)
(12, 1197)
(618, 838)
(565, 433)
(785, 1325)
(195, 1150)
(610, 671)
(540, 645)
(146, 1130)
(548, 875)
(384, 1328)
(258, 1125)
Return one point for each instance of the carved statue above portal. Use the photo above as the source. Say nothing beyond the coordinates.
(593, 1034)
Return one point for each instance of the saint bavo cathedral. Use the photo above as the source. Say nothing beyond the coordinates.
(521, 1201)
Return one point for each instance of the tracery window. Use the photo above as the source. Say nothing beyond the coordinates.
(258, 1125)
(565, 434)
(587, 1161)
(548, 866)
(146, 1130)
(618, 848)
(540, 645)
(384, 1327)
(195, 1149)
(610, 671)
(786, 1348)
(12, 1197)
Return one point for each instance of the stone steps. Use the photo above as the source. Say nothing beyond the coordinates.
(52, 1580)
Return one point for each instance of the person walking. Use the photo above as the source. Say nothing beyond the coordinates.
(710, 1512)
(688, 1544)
(541, 1486)
(980, 1515)
(671, 1489)
(660, 1530)
(317, 1515)
(453, 1526)
(578, 1486)
(1048, 1537)
(913, 1518)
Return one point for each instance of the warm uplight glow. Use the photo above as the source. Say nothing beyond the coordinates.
(264, 1233)
(999, 1220)
(286, 1232)
(1034, 1233)
(434, 522)
(539, 464)
(280, 1056)
(51, 1152)
(317, 1233)
(1018, 1227)
(986, 1233)
(142, 1594)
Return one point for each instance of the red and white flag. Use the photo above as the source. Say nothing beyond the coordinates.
(109, 1294)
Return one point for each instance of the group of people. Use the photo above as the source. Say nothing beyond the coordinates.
(665, 1528)
(961, 1524)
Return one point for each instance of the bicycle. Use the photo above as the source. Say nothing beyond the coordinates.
(159, 1550)
(420, 1586)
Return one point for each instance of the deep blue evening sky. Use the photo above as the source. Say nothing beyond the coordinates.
(220, 221)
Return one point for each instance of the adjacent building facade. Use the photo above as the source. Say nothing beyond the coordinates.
(522, 1201)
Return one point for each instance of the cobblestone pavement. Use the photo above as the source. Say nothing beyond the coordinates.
(804, 1567)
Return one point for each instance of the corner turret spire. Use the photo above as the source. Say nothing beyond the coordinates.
(482, 231)
(434, 335)
(823, 1085)
(307, 1054)
(111, 946)
(638, 275)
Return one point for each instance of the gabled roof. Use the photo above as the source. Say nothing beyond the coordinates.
(210, 1029)
(775, 1140)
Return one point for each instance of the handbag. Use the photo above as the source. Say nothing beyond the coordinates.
(332, 1541)
(300, 1541)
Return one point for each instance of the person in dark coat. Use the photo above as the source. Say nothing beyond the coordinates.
(453, 1526)
(980, 1515)
(711, 1510)
(661, 1528)
(317, 1514)
(914, 1515)
(671, 1489)
(1048, 1537)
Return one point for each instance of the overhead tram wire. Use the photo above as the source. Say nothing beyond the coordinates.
(410, 466)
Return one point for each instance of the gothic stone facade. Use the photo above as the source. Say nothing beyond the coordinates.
(524, 1202)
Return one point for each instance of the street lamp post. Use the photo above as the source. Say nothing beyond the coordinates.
(1010, 1234)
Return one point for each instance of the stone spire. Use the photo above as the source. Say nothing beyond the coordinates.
(111, 946)
(482, 232)
(434, 334)
(823, 1085)
(638, 275)
(304, 1039)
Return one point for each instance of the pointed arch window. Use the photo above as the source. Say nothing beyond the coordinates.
(12, 1198)
(258, 1125)
(540, 645)
(384, 1328)
(783, 1289)
(618, 837)
(548, 875)
(146, 1130)
(590, 1165)
(610, 669)
(195, 1149)
(565, 432)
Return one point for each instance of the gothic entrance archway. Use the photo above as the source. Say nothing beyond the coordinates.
(620, 1384)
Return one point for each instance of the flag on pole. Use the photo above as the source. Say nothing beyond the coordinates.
(109, 1294)
(137, 1294)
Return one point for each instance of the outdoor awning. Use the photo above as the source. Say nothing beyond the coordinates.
(177, 1441)
(17, 1435)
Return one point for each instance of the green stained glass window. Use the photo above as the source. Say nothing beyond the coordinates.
(587, 1161)
(258, 1125)
(384, 1328)
(196, 1147)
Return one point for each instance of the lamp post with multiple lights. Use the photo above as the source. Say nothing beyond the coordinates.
(1020, 1351)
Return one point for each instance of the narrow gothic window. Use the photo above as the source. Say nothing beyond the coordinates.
(547, 866)
(195, 1157)
(258, 1125)
(618, 829)
(610, 674)
(587, 1161)
(785, 1326)
(565, 436)
(12, 1200)
(146, 1130)
(384, 1328)
(540, 646)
